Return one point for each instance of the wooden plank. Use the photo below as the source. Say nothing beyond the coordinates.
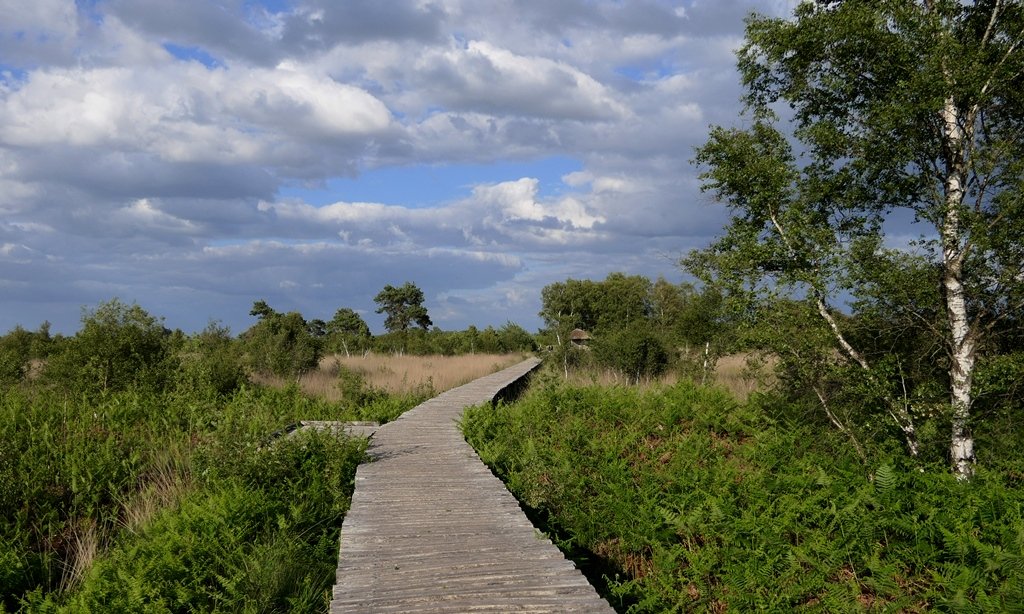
(432, 530)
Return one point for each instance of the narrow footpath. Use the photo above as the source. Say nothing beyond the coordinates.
(432, 530)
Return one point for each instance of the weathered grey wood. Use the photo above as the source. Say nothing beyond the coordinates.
(352, 428)
(432, 530)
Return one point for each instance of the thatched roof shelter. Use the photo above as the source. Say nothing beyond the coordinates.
(579, 337)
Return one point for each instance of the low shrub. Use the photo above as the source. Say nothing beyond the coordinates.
(263, 539)
(684, 499)
(101, 481)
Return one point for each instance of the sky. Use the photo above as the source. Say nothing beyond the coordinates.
(195, 156)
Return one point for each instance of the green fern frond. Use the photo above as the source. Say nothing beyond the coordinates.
(886, 480)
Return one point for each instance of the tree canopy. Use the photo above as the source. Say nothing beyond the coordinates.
(347, 331)
(896, 110)
(403, 306)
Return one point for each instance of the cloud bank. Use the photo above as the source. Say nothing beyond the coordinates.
(182, 154)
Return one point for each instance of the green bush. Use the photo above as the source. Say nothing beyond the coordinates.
(211, 364)
(280, 343)
(635, 351)
(118, 347)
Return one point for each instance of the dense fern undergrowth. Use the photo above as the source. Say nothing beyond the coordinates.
(683, 499)
(172, 500)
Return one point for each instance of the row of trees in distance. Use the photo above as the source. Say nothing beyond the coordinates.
(121, 346)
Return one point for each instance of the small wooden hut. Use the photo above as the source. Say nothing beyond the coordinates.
(579, 338)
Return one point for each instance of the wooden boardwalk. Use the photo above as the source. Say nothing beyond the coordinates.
(432, 530)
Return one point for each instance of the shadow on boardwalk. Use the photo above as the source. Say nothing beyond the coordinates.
(432, 530)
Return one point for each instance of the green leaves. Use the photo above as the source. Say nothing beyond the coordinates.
(699, 504)
(347, 331)
(264, 538)
(634, 351)
(403, 306)
(280, 343)
(119, 346)
(900, 110)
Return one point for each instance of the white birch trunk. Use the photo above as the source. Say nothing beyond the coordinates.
(962, 340)
(704, 369)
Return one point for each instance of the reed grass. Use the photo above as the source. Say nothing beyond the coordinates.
(740, 374)
(85, 547)
(397, 374)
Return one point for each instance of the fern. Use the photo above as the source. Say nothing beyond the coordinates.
(886, 480)
(776, 522)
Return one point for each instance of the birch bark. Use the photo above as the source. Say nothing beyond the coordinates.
(957, 134)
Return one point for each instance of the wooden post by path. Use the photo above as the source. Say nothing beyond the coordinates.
(432, 530)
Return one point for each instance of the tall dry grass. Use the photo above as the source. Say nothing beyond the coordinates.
(85, 547)
(744, 373)
(164, 489)
(741, 374)
(399, 374)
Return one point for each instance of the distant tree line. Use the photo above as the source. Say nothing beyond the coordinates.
(122, 346)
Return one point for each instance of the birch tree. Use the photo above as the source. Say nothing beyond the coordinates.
(894, 109)
(348, 329)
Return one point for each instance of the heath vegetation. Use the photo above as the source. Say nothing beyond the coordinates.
(828, 420)
(139, 469)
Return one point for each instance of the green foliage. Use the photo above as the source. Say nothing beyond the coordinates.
(71, 462)
(280, 343)
(211, 362)
(19, 347)
(119, 347)
(347, 332)
(514, 338)
(687, 501)
(509, 338)
(403, 306)
(634, 351)
(596, 306)
(639, 329)
(263, 538)
(15, 352)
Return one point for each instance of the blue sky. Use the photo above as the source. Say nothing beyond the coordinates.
(197, 155)
(422, 186)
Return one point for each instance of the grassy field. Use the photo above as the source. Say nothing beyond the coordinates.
(740, 374)
(398, 374)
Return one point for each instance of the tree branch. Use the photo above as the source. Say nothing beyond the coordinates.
(839, 425)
